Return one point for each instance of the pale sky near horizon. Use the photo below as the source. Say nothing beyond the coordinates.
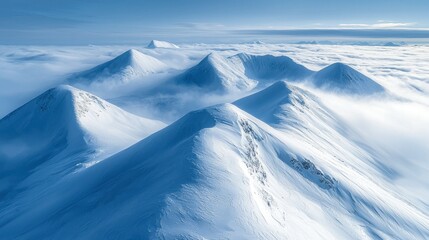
(108, 21)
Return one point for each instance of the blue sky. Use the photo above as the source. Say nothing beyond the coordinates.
(128, 21)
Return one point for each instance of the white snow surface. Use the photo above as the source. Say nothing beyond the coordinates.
(124, 68)
(310, 148)
(215, 73)
(242, 72)
(217, 173)
(65, 123)
(270, 67)
(161, 44)
(342, 78)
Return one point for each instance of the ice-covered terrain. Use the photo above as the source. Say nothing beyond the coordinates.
(270, 67)
(265, 141)
(161, 44)
(342, 78)
(60, 131)
(126, 67)
(215, 73)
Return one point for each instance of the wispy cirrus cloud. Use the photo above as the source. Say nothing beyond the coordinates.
(379, 24)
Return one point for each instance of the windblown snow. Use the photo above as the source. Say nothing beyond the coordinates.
(262, 142)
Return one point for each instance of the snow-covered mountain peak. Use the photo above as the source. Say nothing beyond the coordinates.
(270, 67)
(80, 117)
(208, 117)
(161, 44)
(222, 113)
(242, 72)
(277, 102)
(131, 57)
(56, 101)
(128, 66)
(213, 58)
(277, 93)
(343, 78)
(215, 73)
(62, 99)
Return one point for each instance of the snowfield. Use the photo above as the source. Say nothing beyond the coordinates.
(214, 141)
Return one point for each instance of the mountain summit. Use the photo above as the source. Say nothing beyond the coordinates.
(343, 78)
(161, 44)
(68, 118)
(215, 73)
(269, 67)
(124, 68)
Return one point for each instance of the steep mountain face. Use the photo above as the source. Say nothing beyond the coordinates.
(314, 131)
(61, 130)
(317, 130)
(285, 106)
(340, 77)
(161, 44)
(300, 114)
(83, 118)
(216, 173)
(214, 73)
(128, 66)
(269, 67)
(314, 128)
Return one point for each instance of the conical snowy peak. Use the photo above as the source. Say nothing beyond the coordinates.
(73, 118)
(215, 73)
(279, 92)
(263, 103)
(128, 66)
(161, 44)
(269, 67)
(281, 104)
(343, 78)
(52, 111)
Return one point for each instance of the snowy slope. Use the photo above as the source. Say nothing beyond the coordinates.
(59, 132)
(317, 133)
(161, 44)
(343, 78)
(214, 73)
(314, 128)
(242, 72)
(269, 67)
(81, 116)
(215, 173)
(128, 66)
(282, 163)
(63, 126)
